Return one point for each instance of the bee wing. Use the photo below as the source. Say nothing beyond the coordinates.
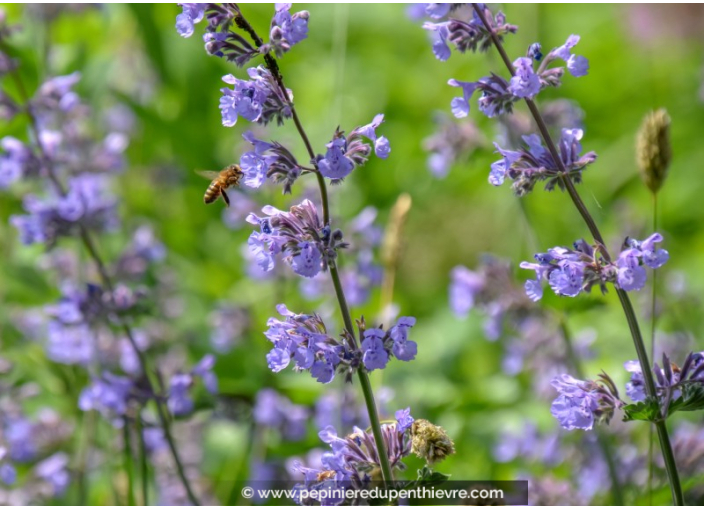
(208, 174)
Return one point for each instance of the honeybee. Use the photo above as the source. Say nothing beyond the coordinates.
(229, 176)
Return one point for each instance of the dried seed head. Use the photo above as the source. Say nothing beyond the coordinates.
(430, 442)
(653, 150)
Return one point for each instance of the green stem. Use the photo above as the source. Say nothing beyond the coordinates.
(652, 351)
(272, 65)
(89, 244)
(364, 381)
(129, 465)
(143, 461)
(87, 436)
(638, 343)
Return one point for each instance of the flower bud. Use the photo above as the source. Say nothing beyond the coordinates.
(653, 150)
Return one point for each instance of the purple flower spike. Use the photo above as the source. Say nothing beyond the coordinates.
(464, 288)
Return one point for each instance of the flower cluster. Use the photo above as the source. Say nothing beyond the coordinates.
(535, 163)
(77, 322)
(67, 143)
(86, 204)
(24, 440)
(344, 153)
(669, 380)
(144, 250)
(354, 460)
(361, 272)
(268, 160)
(66, 138)
(305, 340)
(273, 160)
(378, 345)
(54, 471)
(298, 236)
(583, 403)
(286, 30)
(570, 272)
(258, 99)
(109, 394)
(470, 35)
(192, 14)
(498, 95)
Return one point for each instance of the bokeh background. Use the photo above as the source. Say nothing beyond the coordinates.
(360, 60)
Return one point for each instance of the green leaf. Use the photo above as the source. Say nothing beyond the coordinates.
(692, 399)
(427, 476)
(647, 410)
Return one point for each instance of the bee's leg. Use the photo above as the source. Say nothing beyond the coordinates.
(225, 198)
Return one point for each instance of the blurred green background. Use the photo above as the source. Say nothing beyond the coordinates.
(360, 60)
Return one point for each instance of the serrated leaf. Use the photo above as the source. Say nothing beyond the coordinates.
(692, 399)
(427, 477)
(646, 410)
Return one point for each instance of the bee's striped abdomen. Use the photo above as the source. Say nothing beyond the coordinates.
(212, 193)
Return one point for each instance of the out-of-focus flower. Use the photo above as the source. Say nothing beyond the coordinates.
(88, 203)
(192, 14)
(54, 470)
(179, 401)
(273, 410)
(450, 143)
(286, 29)
(228, 324)
(109, 394)
(17, 161)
